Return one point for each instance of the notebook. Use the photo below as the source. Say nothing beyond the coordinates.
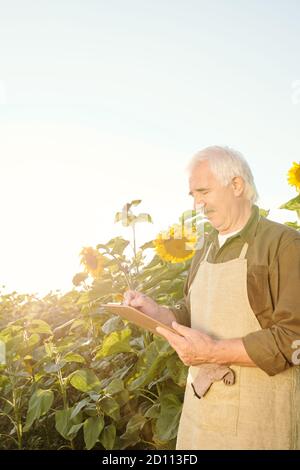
(137, 317)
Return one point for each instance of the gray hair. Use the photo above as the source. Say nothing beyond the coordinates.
(227, 163)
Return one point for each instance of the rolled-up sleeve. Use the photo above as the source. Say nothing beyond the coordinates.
(181, 313)
(181, 309)
(272, 349)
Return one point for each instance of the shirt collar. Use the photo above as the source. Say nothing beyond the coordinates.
(247, 233)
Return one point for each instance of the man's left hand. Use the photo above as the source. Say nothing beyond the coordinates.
(192, 346)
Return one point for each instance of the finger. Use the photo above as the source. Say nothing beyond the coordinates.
(138, 300)
(128, 296)
(182, 330)
(170, 340)
(173, 338)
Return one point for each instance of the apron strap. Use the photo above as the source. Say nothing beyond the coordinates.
(244, 251)
(207, 253)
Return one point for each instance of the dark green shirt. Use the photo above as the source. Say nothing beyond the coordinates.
(273, 281)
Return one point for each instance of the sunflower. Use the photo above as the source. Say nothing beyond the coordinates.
(294, 175)
(79, 278)
(175, 245)
(92, 260)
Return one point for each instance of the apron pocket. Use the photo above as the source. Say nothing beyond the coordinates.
(218, 410)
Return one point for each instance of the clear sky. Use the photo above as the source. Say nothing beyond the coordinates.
(103, 102)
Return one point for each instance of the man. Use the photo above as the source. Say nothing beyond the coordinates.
(241, 309)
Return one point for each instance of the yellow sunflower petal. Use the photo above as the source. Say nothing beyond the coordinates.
(176, 245)
(93, 261)
(294, 175)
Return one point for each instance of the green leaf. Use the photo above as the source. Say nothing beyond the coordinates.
(74, 430)
(150, 364)
(101, 246)
(15, 344)
(108, 436)
(84, 298)
(78, 407)
(112, 324)
(167, 423)
(79, 278)
(39, 326)
(33, 340)
(112, 242)
(133, 428)
(100, 288)
(76, 324)
(119, 245)
(135, 202)
(114, 343)
(53, 367)
(72, 357)
(39, 404)
(153, 411)
(92, 428)
(115, 386)
(122, 397)
(118, 217)
(110, 407)
(155, 262)
(292, 204)
(294, 225)
(63, 422)
(177, 370)
(264, 212)
(65, 425)
(147, 245)
(163, 274)
(85, 380)
(144, 218)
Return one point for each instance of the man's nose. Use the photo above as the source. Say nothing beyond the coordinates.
(198, 203)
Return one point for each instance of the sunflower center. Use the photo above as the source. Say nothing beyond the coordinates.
(176, 248)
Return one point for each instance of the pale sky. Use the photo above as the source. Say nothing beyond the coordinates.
(105, 102)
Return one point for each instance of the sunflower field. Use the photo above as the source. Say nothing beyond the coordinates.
(73, 376)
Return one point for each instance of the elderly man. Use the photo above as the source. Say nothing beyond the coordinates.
(241, 309)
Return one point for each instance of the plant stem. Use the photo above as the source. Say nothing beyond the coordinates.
(17, 418)
(148, 398)
(128, 281)
(148, 391)
(61, 383)
(63, 389)
(134, 250)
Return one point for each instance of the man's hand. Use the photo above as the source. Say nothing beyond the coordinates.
(193, 347)
(141, 301)
(148, 306)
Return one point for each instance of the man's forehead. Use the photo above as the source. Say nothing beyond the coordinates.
(200, 172)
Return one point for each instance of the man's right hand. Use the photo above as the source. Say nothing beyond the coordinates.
(148, 306)
(142, 302)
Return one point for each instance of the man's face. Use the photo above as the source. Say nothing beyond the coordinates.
(219, 202)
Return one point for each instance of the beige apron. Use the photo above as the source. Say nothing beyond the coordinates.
(257, 412)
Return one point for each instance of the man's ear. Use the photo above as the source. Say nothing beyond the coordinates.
(238, 185)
